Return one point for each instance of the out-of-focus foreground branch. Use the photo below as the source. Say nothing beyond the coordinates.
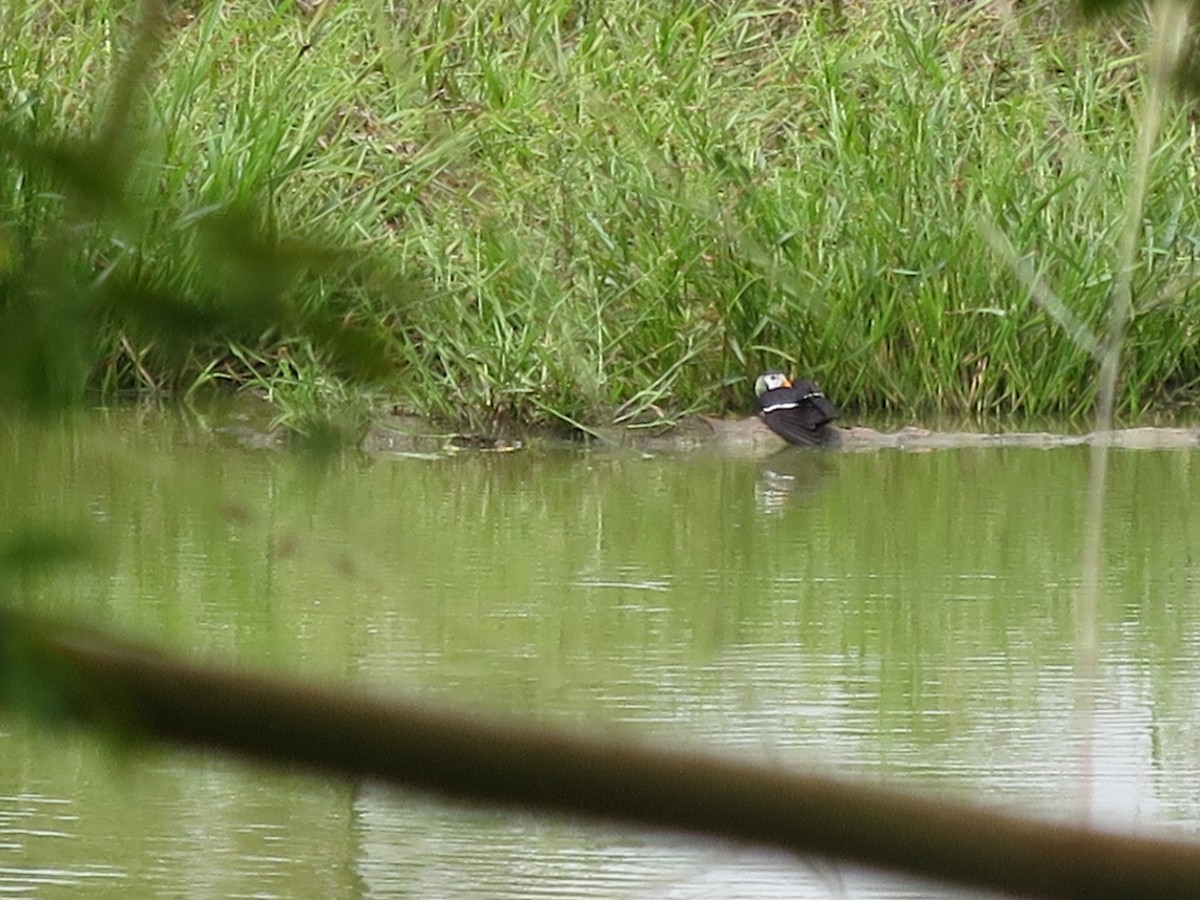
(94, 681)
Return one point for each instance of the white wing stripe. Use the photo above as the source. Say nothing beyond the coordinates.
(776, 407)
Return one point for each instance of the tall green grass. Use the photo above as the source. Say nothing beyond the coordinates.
(531, 211)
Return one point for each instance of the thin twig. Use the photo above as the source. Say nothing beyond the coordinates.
(1171, 26)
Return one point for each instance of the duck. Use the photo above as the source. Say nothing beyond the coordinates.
(797, 411)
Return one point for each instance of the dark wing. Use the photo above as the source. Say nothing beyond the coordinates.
(814, 404)
(798, 414)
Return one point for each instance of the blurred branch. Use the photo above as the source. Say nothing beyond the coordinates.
(92, 680)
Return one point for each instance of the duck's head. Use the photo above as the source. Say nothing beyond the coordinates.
(771, 381)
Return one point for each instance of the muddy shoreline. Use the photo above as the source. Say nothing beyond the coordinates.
(749, 436)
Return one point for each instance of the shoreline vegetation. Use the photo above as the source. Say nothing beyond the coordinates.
(509, 215)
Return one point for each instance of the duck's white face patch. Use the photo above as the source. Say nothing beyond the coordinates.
(771, 381)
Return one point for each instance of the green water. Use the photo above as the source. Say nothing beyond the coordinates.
(894, 616)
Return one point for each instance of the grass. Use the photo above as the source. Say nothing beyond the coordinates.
(519, 212)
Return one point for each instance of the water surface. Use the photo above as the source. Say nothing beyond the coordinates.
(900, 617)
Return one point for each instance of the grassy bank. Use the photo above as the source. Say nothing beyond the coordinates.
(534, 212)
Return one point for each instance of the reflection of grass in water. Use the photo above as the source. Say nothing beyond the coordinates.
(620, 210)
